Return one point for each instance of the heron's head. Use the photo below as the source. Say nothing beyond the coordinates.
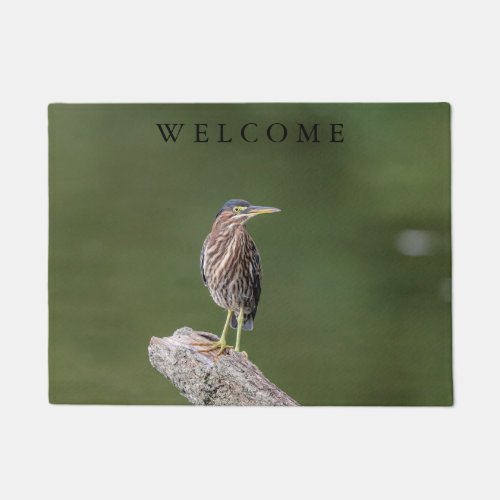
(240, 211)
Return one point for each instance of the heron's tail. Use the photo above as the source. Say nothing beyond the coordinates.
(247, 322)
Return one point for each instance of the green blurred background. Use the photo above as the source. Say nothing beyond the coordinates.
(356, 302)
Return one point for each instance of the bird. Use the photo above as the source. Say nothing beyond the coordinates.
(231, 269)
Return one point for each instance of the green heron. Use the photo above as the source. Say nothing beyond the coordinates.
(231, 268)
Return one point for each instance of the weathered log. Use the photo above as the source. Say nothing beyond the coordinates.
(207, 379)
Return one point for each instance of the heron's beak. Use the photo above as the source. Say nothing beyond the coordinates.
(254, 210)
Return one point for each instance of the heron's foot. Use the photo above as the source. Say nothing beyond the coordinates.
(214, 346)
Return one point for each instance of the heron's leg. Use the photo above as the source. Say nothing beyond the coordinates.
(226, 327)
(220, 344)
(238, 331)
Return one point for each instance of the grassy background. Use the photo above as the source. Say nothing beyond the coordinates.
(346, 317)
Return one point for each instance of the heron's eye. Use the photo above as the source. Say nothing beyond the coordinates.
(237, 210)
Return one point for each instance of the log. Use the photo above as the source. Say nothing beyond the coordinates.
(207, 379)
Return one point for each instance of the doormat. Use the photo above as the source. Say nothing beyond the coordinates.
(250, 254)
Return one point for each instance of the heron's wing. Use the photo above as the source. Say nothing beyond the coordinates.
(257, 278)
(202, 260)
